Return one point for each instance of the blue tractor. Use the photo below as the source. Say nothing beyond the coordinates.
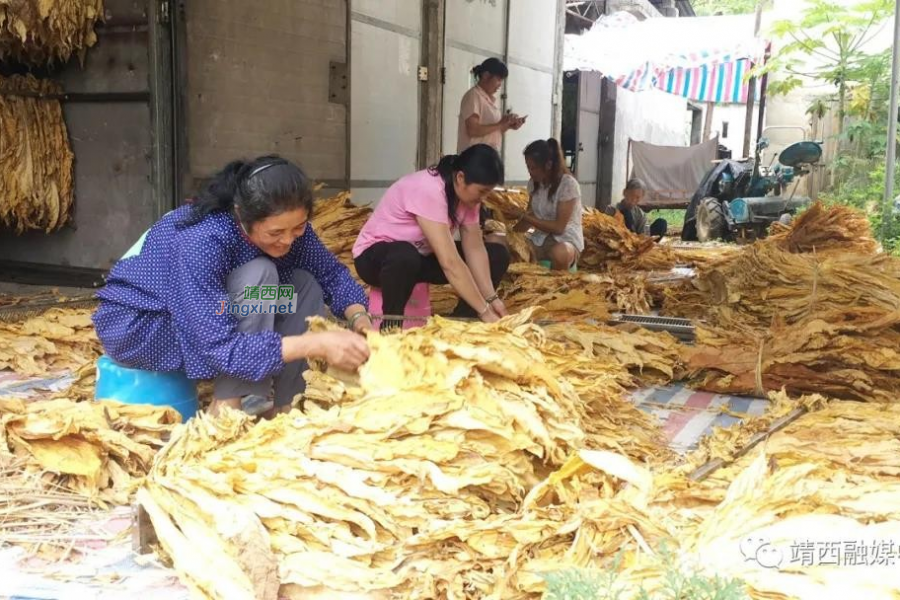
(738, 199)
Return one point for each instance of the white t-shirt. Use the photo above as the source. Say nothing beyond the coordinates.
(544, 207)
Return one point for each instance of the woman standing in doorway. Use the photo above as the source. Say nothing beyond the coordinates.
(480, 118)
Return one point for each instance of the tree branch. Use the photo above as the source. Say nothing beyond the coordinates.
(817, 51)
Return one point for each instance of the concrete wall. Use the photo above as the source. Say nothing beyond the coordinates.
(258, 75)
(735, 115)
(653, 116)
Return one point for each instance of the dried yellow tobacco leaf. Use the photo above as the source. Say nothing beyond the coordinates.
(36, 162)
(96, 449)
(57, 339)
(38, 32)
(408, 478)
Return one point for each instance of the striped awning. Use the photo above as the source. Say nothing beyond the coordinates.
(678, 56)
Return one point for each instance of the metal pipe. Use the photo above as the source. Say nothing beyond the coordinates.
(83, 96)
(890, 167)
(751, 88)
(506, 61)
(763, 89)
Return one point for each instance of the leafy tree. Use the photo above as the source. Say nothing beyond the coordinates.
(827, 43)
(727, 7)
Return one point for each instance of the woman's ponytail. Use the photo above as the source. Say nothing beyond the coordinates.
(480, 164)
(266, 186)
(219, 193)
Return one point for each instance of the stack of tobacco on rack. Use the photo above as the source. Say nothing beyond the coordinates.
(410, 479)
(58, 339)
(573, 295)
(95, 449)
(36, 190)
(37, 32)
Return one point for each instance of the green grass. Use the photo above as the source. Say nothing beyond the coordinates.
(676, 584)
(673, 216)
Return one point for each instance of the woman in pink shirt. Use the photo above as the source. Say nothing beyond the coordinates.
(409, 237)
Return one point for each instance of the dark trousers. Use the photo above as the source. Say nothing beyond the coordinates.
(396, 268)
(659, 228)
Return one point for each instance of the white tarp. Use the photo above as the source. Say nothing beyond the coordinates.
(638, 55)
(671, 173)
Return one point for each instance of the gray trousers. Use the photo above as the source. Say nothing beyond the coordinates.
(309, 302)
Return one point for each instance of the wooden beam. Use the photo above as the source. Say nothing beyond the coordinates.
(432, 110)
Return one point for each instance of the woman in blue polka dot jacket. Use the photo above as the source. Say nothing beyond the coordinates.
(207, 290)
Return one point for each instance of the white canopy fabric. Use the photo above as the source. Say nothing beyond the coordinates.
(703, 58)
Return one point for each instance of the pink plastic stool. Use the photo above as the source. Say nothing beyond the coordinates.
(418, 305)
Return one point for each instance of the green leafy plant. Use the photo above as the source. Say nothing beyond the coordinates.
(677, 584)
(726, 7)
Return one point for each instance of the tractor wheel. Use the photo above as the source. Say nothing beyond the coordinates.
(711, 222)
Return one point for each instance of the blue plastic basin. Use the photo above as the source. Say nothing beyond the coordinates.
(134, 386)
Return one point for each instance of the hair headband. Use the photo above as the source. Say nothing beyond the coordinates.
(262, 168)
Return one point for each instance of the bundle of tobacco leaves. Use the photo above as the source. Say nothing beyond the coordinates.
(820, 229)
(609, 245)
(764, 283)
(851, 353)
(823, 261)
(409, 479)
(507, 207)
(96, 449)
(38, 32)
(574, 295)
(58, 339)
(337, 222)
(36, 190)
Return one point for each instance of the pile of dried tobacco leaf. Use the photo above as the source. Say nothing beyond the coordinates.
(819, 229)
(764, 284)
(36, 162)
(573, 295)
(58, 339)
(38, 32)
(824, 262)
(851, 353)
(609, 245)
(337, 222)
(410, 479)
(96, 449)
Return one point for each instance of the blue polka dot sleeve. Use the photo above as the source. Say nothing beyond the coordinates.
(338, 285)
(201, 267)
